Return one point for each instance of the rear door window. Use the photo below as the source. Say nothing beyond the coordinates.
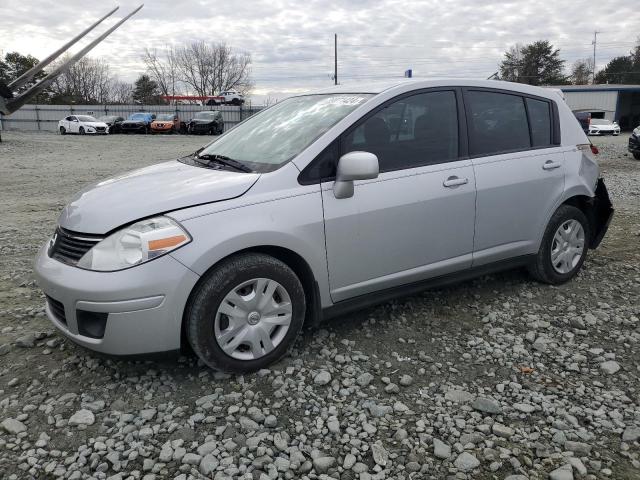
(497, 123)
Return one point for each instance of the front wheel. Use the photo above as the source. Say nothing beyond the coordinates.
(81, 131)
(245, 314)
(636, 156)
(563, 248)
(63, 131)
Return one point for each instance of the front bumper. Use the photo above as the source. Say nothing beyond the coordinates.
(143, 305)
(133, 128)
(604, 132)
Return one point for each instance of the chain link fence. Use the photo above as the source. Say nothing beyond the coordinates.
(46, 117)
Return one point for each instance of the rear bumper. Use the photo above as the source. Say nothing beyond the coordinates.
(600, 214)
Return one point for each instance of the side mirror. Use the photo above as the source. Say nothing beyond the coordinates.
(354, 166)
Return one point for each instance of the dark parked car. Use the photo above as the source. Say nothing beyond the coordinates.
(113, 122)
(585, 120)
(138, 123)
(634, 143)
(207, 122)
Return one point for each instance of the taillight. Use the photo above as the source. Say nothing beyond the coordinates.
(585, 147)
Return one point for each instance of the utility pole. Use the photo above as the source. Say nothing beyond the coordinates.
(595, 41)
(335, 59)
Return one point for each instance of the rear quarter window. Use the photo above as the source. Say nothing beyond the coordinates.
(540, 121)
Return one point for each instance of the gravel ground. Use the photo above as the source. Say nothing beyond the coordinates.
(494, 378)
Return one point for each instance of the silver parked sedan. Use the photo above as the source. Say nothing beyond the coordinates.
(321, 204)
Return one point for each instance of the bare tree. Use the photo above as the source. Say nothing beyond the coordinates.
(163, 68)
(581, 71)
(121, 92)
(87, 81)
(210, 68)
(512, 65)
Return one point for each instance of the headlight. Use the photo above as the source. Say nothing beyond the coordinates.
(636, 132)
(138, 243)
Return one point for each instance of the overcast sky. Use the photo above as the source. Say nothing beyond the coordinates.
(291, 42)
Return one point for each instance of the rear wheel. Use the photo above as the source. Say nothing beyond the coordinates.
(63, 131)
(563, 248)
(636, 156)
(246, 313)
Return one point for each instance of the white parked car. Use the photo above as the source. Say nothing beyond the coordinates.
(600, 126)
(82, 124)
(232, 97)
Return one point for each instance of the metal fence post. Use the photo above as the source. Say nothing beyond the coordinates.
(38, 116)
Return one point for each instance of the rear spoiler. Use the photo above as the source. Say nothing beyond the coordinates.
(10, 101)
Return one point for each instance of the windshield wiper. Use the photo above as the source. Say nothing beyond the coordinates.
(224, 160)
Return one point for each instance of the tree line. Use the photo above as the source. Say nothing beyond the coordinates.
(197, 68)
(540, 63)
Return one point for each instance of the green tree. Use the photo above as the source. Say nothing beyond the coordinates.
(146, 91)
(538, 63)
(619, 70)
(14, 65)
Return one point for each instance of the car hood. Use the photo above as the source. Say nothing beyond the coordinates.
(94, 124)
(136, 121)
(201, 121)
(148, 191)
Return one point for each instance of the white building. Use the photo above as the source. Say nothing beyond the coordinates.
(613, 102)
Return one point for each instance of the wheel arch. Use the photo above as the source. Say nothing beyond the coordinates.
(596, 210)
(293, 260)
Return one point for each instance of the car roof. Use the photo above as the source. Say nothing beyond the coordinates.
(418, 83)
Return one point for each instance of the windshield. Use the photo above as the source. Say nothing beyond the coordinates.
(86, 118)
(598, 121)
(279, 133)
(138, 116)
(205, 115)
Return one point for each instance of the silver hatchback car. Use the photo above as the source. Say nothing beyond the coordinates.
(322, 204)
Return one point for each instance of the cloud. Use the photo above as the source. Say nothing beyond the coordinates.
(291, 42)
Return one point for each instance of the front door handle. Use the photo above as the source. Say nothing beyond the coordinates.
(550, 165)
(455, 181)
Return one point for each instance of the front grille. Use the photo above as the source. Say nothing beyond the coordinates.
(100, 129)
(57, 309)
(69, 247)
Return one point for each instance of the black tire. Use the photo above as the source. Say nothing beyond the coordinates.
(63, 131)
(542, 268)
(81, 131)
(636, 156)
(236, 102)
(203, 304)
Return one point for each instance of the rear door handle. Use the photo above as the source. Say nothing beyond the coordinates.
(550, 165)
(455, 181)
